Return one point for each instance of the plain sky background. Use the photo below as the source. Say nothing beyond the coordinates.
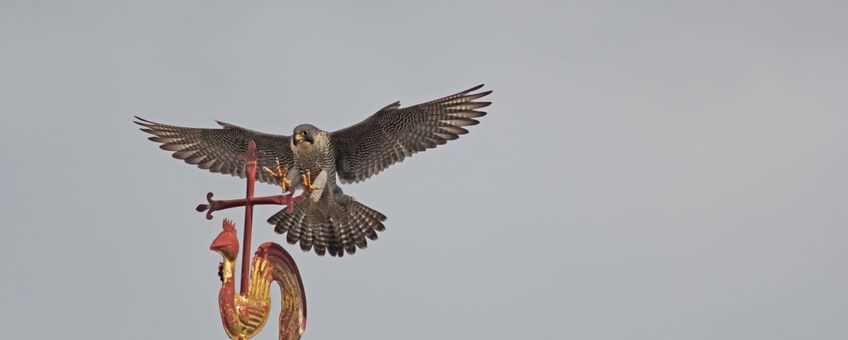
(648, 170)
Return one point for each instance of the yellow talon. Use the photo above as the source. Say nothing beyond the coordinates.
(307, 181)
(279, 174)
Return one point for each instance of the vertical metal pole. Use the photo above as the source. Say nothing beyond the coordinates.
(250, 172)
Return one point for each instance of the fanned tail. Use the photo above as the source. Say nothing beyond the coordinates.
(347, 226)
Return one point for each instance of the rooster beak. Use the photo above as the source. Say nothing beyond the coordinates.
(218, 244)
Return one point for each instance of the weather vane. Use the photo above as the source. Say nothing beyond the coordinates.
(322, 218)
(245, 314)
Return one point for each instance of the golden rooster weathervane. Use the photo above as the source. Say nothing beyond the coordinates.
(244, 314)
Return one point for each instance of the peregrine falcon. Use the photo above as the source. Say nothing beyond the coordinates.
(331, 222)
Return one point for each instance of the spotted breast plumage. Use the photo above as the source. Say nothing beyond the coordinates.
(313, 159)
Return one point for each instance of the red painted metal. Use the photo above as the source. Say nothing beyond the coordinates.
(292, 321)
(215, 205)
(248, 202)
(244, 315)
(250, 172)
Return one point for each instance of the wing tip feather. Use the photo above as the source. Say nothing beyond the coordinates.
(141, 121)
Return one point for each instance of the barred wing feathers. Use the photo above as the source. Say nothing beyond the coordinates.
(394, 133)
(217, 150)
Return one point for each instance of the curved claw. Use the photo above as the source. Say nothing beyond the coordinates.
(307, 181)
(279, 174)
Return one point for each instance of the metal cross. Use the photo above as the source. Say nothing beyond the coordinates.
(248, 202)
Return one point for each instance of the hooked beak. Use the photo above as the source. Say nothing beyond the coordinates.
(301, 136)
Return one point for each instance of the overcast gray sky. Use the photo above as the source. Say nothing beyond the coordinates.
(648, 170)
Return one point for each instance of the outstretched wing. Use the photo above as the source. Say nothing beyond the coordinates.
(217, 150)
(394, 133)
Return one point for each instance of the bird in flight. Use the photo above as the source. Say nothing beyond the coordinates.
(330, 222)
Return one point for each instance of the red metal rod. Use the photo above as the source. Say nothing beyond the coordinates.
(215, 205)
(248, 202)
(250, 172)
(278, 256)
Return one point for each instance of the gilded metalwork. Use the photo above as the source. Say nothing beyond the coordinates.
(244, 315)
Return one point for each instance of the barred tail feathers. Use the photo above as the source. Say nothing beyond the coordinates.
(345, 227)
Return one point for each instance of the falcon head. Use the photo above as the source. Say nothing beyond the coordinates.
(304, 133)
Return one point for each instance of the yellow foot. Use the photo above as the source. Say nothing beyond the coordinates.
(307, 181)
(279, 174)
